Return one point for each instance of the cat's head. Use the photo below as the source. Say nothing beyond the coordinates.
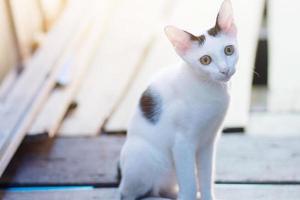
(214, 53)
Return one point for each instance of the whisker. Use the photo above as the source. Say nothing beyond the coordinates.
(256, 73)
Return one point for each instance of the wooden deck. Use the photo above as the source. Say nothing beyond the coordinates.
(86, 78)
(92, 66)
(224, 192)
(248, 167)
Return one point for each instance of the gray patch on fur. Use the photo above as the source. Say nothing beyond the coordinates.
(200, 39)
(151, 105)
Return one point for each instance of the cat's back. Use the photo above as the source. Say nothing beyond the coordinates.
(164, 78)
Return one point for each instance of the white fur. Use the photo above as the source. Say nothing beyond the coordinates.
(179, 149)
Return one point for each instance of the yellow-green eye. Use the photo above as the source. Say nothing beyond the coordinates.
(229, 50)
(205, 60)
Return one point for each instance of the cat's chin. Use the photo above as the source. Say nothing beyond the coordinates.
(221, 78)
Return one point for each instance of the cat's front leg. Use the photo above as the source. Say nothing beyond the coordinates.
(184, 159)
(205, 168)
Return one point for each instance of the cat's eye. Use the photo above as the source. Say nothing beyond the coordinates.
(205, 60)
(229, 50)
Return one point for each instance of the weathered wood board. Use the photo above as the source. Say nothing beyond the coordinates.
(8, 47)
(25, 99)
(51, 9)
(65, 161)
(28, 22)
(193, 15)
(76, 60)
(274, 124)
(93, 161)
(224, 192)
(121, 53)
(284, 60)
(258, 159)
(105, 194)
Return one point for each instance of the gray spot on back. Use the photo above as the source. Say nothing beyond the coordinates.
(151, 105)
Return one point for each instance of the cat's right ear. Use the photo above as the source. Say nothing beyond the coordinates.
(181, 40)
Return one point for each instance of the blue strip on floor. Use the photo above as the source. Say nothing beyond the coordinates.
(48, 188)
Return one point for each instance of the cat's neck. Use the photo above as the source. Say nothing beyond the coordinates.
(195, 78)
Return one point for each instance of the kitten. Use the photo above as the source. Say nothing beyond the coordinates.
(172, 135)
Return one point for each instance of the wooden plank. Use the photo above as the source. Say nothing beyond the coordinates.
(28, 22)
(51, 9)
(78, 61)
(162, 55)
(274, 124)
(240, 159)
(26, 98)
(225, 192)
(8, 48)
(258, 159)
(121, 53)
(17, 67)
(65, 161)
(284, 63)
(107, 194)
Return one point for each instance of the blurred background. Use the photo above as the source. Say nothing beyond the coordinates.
(77, 68)
(112, 51)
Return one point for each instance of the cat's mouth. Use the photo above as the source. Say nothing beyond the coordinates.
(224, 77)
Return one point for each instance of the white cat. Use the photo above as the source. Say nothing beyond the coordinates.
(171, 137)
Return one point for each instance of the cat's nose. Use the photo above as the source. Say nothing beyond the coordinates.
(224, 70)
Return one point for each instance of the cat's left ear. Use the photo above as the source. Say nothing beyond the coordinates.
(225, 19)
(181, 40)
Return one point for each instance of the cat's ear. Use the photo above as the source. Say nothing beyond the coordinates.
(225, 19)
(181, 40)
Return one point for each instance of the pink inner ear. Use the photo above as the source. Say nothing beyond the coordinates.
(179, 39)
(232, 30)
(225, 18)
